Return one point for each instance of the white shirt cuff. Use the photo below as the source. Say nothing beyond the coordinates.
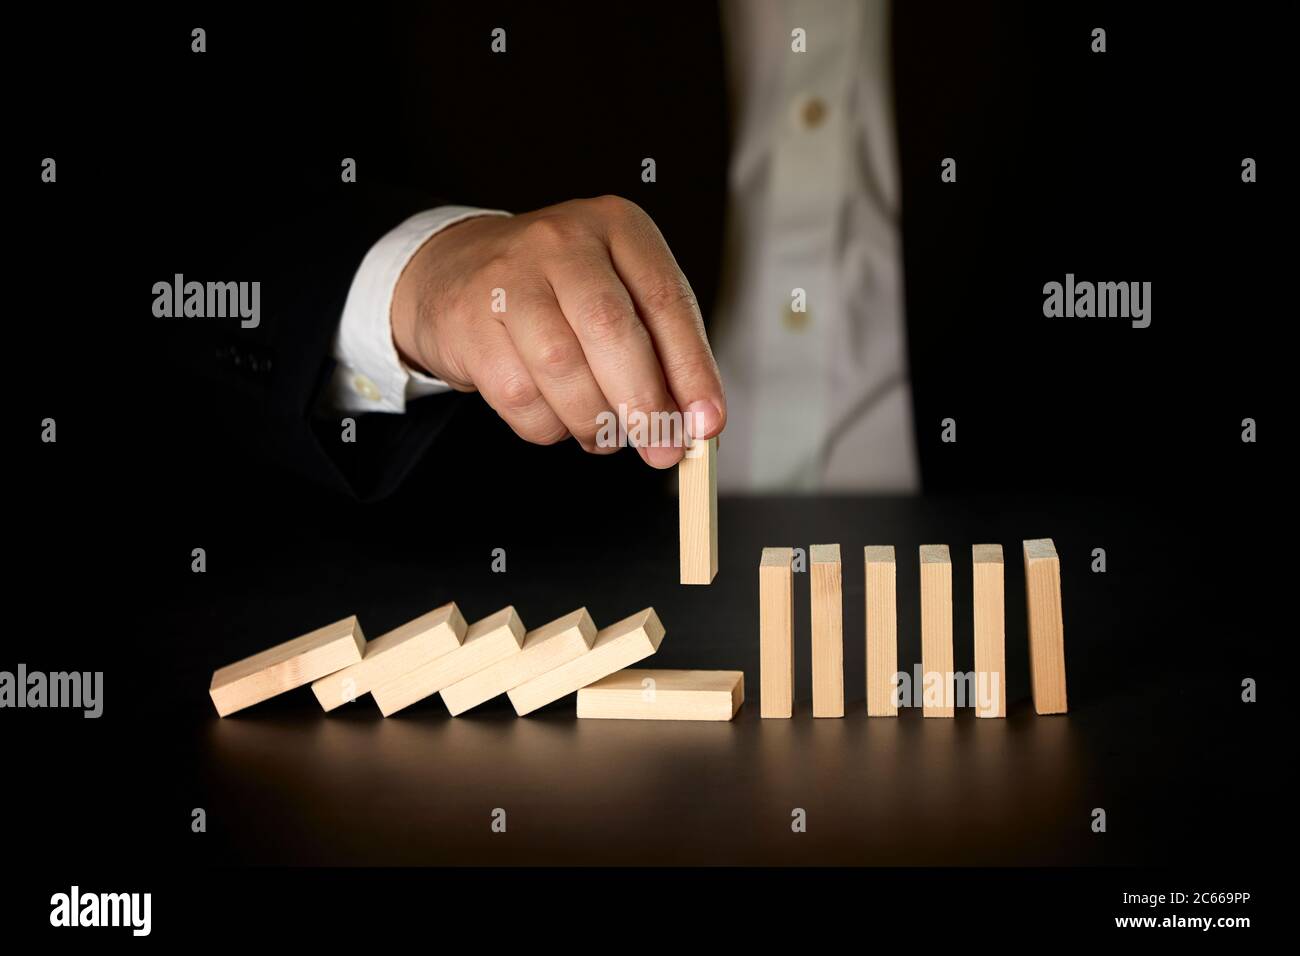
(370, 375)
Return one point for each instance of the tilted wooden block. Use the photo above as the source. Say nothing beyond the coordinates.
(882, 629)
(391, 655)
(664, 695)
(826, 582)
(1046, 626)
(617, 646)
(545, 649)
(776, 632)
(697, 492)
(990, 631)
(486, 642)
(936, 631)
(286, 666)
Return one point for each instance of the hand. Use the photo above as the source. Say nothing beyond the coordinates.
(558, 316)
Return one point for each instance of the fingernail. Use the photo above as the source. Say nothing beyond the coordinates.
(662, 456)
(702, 419)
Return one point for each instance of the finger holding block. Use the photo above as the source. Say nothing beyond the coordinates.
(664, 695)
(936, 631)
(882, 629)
(391, 655)
(287, 666)
(827, 630)
(1046, 626)
(990, 630)
(776, 632)
(615, 647)
(697, 492)
(486, 642)
(545, 649)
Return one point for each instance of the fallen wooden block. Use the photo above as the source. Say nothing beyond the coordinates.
(545, 649)
(286, 666)
(990, 631)
(1046, 626)
(827, 630)
(776, 632)
(391, 655)
(664, 695)
(697, 493)
(936, 631)
(615, 647)
(486, 642)
(882, 629)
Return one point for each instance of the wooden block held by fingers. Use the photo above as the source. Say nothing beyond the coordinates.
(1046, 626)
(286, 666)
(486, 642)
(391, 655)
(827, 630)
(697, 492)
(664, 695)
(776, 632)
(990, 631)
(615, 647)
(882, 629)
(937, 688)
(545, 649)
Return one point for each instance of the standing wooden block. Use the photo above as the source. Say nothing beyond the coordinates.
(776, 632)
(990, 631)
(391, 655)
(617, 646)
(936, 631)
(545, 649)
(827, 630)
(486, 642)
(1046, 626)
(697, 492)
(664, 695)
(882, 629)
(286, 666)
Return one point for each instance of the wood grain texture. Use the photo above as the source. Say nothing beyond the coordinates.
(664, 695)
(287, 666)
(989, 605)
(486, 642)
(882, 629)
(936, 631)
(697, 490)
(776, 632)
(826, 582)
(620, 645)
(545, 648)
(1046, 626)
(391, 655)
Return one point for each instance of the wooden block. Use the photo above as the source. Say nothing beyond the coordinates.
(615, 647)
(697, 492)
(882, 629)
(545, 648)
(776, 632)
(664, 695)
(936, 631)
(1046, 626)
(990, 631)
(286, 666)
(486, 642)
(391, 655)
(827, 630)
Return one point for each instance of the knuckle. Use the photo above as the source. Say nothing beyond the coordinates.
(517, 391)
(554, 229)
(558, 357)
(614, 207)
(672, 294)
(605, 319)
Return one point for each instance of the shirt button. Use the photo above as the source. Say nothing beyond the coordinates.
(795, 321)
(812, 112)
(365, 388)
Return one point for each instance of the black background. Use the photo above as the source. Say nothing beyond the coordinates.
(1119, 166)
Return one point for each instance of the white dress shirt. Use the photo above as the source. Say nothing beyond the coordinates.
(816, 400)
